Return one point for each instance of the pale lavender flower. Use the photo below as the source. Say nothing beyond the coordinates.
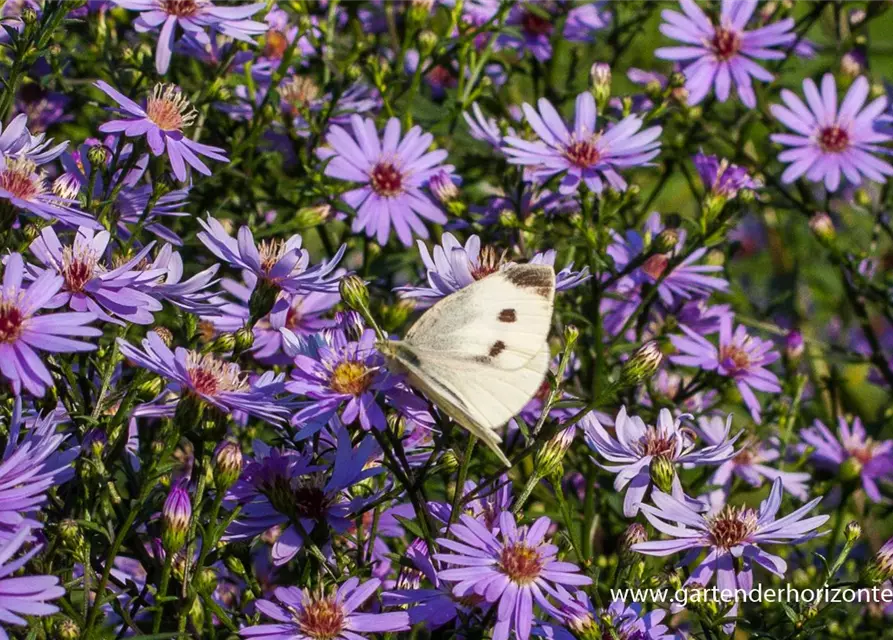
(22, 331)
(24, 595)
(16, 141)
(828, 140)
(636, 445)
(723, 54)
(851, 453)
(282, 264)
(301, 615)
(584, 154)
(738, 356)
(514, 567)
(722, 178)
(193, 17)
(751, 462)
(162, 121)
(731, 537)
(483, 128)
(393, 171)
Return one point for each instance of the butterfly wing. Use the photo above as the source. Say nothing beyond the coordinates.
(481, 354)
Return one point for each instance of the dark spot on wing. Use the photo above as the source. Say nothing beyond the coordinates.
(497, 348)
(525, 277)
(507, 315)
(409, 357)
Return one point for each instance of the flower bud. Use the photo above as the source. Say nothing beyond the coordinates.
(677, 79)
(235, 565)
(354, 72)
(449, 461)
(67, 629)
(547, 460)
(850, 64)
(862, 198)
(642, 364)
(98, 155)
(227, 464)
(793, 345)
(663, 472)
(852, 532)
(175, 517)
(165, 334)
(822, 225)
(571, 334)
(443, 188)
(223, 343)
(427, 42)
(309, 217)
(508, 218)
(354, 292)
(94, 442)
(244, 338)
(397, 424)
(207, 580)
(600, 75)
(634, 534)
(881, 566)
(28, 16)
(850, 470)
(666, 240)
(72, 538)
(67, 186)
(262, 300)
(150, 388)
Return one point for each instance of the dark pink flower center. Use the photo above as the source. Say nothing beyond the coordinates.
(734, 357)
(834, 139)
(659, 445)
(521, 563)
(731, 526)
(583, 153)
(387, 180)
(181, 8)
(656, 265)
(11, 321)
(489, 262)
(20, 180)
(726, 43)
(321, 619)
(535, 25)
(210, 376)
(275, 45)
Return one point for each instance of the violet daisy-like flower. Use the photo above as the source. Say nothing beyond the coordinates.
(454, 266)
(347, 379)
(23, 595)
(32, 464)
(584, 154)
(207, 378)
(739, 356)
(22, 330)
(511, 569)
(722, 54)
(89, 282)
(637, 445)
(851, 453)
(24, 187)
(581, 619)
(732, 537)
(828, 140)
(282, 264)
(300, 615)
(483, 128)
(534, 25)
(285, 489)
(393, 170)
(721, 178)
(193, 17)
(751, 462)
(162, 121)
(17, 141)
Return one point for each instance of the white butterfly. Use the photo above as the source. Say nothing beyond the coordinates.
(481, 353)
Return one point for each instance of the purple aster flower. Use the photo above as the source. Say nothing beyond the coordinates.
(89, 282)
(532, 201)
(723, 53)
(535, 24)
(454, 266)
(636, 445)
(731, 537)
(23, 187)
(162, 122)
(619, 620)
(282, 264)
(24, 595)
(291, 326)
(16, 141)
(738, 356)
(721, 178)
(22, 331)
(393, 172)
(828, 140)
(751, 462)
(851, 453)
(483, 128)
(687, 280)
(193, 294)
(193, 17)
(301, 615)
(484, 508)
(347, 379)
(584, 154)
(208, 379)
(285, 489)
(514, 567)
(32, 464)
